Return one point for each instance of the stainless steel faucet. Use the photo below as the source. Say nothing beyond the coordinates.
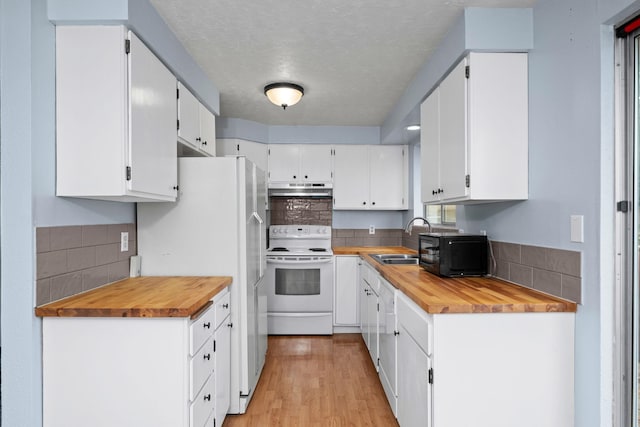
(409, 226)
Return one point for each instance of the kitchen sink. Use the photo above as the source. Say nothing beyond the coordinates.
(395, 258)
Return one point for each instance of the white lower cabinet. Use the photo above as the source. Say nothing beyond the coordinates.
(387, 343)
(468, 369)
(159, 371)
(346, 305)
(369, 285)
(414, 364)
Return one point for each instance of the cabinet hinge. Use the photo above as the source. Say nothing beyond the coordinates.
(214, 346)
(177, 93)
(128, 173)
(127, 46)
(238, 148)
(378, 307)
(430, 375)
(403, 152)
(467, 181)
(178, 124)
(269, 151)
(466, 71)
(403, 200)
(622, 206)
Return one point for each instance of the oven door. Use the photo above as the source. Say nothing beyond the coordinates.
(300, 284)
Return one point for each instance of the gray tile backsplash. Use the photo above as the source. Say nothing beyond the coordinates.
(554, 271)
(73, 259)
(361, 237)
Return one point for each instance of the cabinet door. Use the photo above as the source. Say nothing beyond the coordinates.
(315, 163)
(372, 325)
(388, 177)
(207, 130)
(283, 163)
(414, 390)
(227, 147)
(189, 117)
(429, 147)
(346, 294)
(152, 141)
(222, 370)
(254, 151)
(351, 177)
(453, 130)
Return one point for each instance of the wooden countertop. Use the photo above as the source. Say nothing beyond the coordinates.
(439, 295)
(140, 297)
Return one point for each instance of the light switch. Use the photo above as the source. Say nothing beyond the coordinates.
(577, 228)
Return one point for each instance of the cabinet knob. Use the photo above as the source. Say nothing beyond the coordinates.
(225, 305)
(204, 142)
(207, 356)
(176, 187)
(230, 325)
(207, 397)
(440, 190)
(305, 177)
(396, 333)
(294, 177)
(434, 192)
(364, 203)
(207, 325)
(373, 203)
(198, 139)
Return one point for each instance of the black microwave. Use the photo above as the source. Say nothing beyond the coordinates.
(453, 254)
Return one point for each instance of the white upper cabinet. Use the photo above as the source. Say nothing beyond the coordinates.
(115, 117)
(254, 151)
(299, 164)
(370, 177)
(474, 137)
(196, 124)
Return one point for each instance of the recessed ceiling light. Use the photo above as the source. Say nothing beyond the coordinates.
(413, 127)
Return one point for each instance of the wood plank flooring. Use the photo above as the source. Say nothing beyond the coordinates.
(317, 381)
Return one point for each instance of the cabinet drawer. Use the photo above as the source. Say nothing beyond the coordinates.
(200, 367)
(223, 308)
(202, 407)
(417, 322)
(201, 329)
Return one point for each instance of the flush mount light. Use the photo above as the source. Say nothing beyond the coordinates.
(413, 127)
(284, 94)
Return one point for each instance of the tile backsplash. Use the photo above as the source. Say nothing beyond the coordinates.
(73, 259)
(361, 237)
(300, 210)
(554, 271)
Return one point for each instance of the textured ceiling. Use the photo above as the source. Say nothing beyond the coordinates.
(354, 58)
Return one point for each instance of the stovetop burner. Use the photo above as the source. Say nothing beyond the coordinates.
(280, 250)
(318, 249)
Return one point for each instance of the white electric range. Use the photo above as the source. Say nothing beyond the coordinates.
(299, 280)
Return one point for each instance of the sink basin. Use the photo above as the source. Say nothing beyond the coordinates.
(395, 258)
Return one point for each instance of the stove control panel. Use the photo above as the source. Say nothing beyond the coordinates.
(300, 231)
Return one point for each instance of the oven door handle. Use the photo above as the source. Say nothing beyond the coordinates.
(299, 261)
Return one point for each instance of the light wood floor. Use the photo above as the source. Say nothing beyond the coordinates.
(317, 381)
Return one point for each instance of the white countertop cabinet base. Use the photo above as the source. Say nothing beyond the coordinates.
(488, 370)
(134, 371)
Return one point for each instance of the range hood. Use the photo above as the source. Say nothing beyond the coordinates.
(302, 190)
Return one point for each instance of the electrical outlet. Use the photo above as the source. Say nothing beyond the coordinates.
(372, 229)
(124, 241)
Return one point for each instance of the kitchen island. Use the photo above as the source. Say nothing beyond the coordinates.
(466, 351)
(142, 351)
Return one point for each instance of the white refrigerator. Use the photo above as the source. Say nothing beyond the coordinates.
(217, 228)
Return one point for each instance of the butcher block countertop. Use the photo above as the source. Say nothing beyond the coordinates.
(140, 297)
(439, 295)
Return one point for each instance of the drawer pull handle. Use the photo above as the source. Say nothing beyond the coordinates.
(225, 305)
(396, 333)
(207, 356)
(207, 397)
(207, 325)
(230, 325)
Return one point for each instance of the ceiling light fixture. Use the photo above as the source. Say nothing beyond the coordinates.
(284, 94)
(413, 127)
